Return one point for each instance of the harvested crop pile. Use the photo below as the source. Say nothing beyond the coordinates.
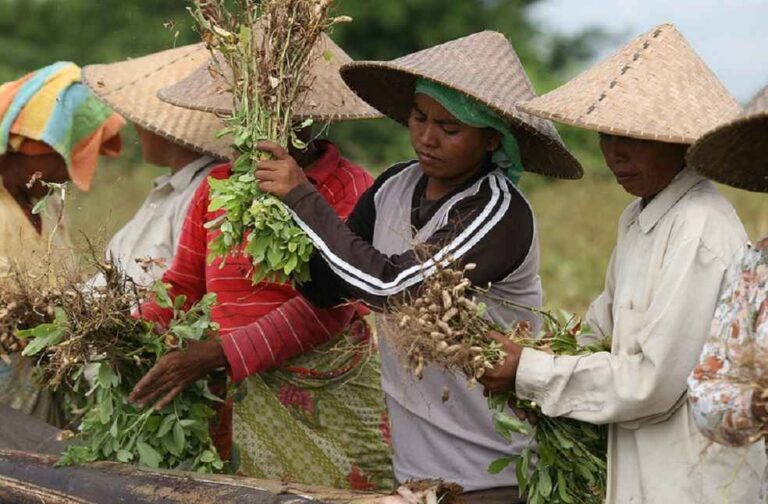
(444, 325)
(95, 351)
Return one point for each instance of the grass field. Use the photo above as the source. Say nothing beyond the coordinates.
(576, 220)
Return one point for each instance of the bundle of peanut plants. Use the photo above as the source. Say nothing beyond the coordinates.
(25, 301)
(445, 325)
(93, 350)
(263, 51)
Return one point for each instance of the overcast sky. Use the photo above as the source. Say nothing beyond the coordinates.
(730, 35)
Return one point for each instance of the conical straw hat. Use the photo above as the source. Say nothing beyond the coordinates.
(328, 98)
(655, 88)
(485, 67)
(736, 152)
(130, 88)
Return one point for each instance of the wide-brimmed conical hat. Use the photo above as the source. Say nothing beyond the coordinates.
(736, 152)
(130, 88)
(327, 99)
(483, 66)
(654, 88)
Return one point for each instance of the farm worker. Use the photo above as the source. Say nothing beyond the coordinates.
(181, 140)
(310, 407)
(52, 130)
(726, 386)
(459, 196)
(649, 101)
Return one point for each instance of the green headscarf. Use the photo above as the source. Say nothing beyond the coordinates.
(473, 113)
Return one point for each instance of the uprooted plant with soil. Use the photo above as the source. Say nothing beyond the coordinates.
(87, 344)
(263, 52)
(444, 325)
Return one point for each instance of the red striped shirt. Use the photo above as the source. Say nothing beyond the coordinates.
(265, 324)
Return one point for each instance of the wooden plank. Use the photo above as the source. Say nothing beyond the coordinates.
(27, 477)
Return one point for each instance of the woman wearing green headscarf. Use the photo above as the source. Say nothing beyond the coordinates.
(459, 197)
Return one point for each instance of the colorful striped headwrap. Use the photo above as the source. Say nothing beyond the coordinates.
(50, 111)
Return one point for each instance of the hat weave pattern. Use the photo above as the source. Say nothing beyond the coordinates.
(130, 88)
(655, 88)
(327, 98)
(483, 66)
(736, 152)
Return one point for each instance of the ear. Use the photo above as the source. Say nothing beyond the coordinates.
(494, 140)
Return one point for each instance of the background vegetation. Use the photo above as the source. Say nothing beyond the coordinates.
(577, 220)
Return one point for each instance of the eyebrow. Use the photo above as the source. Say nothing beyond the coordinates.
(442, 122)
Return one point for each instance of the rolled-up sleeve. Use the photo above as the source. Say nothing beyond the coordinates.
(646, 377)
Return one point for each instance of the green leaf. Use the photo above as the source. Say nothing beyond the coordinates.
(290, 264)
(178, 436)
(544, 487)
(275, 257)
(42, 337)
(507, 425)
(500, 464)
(107, 378)
(162, 298)
(178, 302)
(521, 470)
(207, 456)
(105, 410)
(562, 488)
(40, 205)
(166, 425)
(148, 456)
(124, 456)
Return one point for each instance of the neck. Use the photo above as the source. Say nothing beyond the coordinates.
(179, 159)
(307, 157)
(439, 187)
(645, 200)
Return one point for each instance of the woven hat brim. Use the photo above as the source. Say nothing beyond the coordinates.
(530, 108)
(654, 88)
(389, 88)
(130, 89)
(735, 154)
(328, 98)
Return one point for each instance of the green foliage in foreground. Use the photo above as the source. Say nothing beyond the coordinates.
(569, 465)
(277, 247)
(112, 428)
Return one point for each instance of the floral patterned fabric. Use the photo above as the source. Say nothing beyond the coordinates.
(735, 358)
(320, 419)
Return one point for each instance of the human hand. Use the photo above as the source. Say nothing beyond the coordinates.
(278, 176)
(177, 370)
(523, 414)
(502, 377)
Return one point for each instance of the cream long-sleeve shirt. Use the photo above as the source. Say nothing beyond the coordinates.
(153, 232)
(671, 261)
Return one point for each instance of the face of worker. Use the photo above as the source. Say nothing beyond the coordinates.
(642, 167)
(447, 149)
(154, 148)
(26, 173)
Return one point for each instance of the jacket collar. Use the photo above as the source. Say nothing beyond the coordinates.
(663, 202)
(180, 180)
(326, 164)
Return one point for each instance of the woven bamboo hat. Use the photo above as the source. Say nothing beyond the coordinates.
(736, 152)
(655, 88)
(483, 66)
(328, 98)
(130, 88)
